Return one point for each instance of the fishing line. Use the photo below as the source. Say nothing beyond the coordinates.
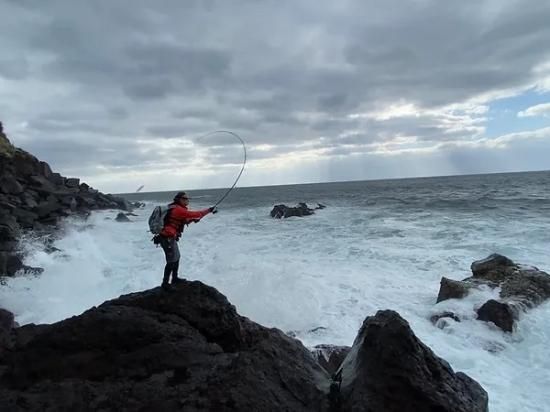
(242, 168)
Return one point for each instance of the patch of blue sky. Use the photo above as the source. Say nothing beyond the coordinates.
(503, 114)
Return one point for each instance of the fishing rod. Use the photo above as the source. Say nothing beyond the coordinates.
(242, 168)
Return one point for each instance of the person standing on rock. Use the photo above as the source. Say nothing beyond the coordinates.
(177, 217)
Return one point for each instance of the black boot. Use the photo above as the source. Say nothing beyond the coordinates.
(175, 280)
(165, 280)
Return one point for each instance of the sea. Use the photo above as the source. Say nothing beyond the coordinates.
(381, 244)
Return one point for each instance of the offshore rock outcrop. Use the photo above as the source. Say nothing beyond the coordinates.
(33, 197)
(189, 350)
(302, 209)
(521, 288)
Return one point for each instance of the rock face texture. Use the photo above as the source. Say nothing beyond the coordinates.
(189, 350)
(522, 287)
(32, 197)
(389, 369)
(186, 349)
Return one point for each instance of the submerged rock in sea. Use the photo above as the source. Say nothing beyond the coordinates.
(521, 287)
(188, 349)
(389, 369)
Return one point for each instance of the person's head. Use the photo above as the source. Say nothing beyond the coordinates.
(181, 198)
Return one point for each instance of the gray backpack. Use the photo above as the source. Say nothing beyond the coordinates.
(157, 218)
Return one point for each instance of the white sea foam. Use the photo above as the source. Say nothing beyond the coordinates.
(318, 277)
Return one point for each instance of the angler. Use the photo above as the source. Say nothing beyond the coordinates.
(171, 221)
(167, 223)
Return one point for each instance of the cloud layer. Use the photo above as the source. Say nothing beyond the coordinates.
(118, 91)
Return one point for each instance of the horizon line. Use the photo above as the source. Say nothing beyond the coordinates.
(339, 181)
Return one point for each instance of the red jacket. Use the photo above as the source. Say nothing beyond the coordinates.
(177, 217)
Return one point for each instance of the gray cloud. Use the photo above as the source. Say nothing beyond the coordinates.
(285, 75)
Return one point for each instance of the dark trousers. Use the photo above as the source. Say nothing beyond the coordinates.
(172, 253)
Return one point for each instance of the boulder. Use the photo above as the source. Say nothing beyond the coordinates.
(10, 263)
(84, 188)
(452, 289)
(182, 350)
(72, 182)
(25, 218)
(521, 287)
(46, 207)
(25, 164)
(10, 185)
(9, 228)
(45, 170)
(57, 179)
(29, 199)
(41, 185)
(389, 369)
(529, 285)
(492, 266)
(501, 314)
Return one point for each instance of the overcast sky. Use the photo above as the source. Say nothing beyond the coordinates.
(118, 92)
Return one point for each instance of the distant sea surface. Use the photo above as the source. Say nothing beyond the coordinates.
(377, 245)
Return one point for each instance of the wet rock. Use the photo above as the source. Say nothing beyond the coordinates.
(31, 270)
(10, 263)
(435, 318)
(121, 217)
(389, 369)
(521, 287)
(501, 314)
(530, 286)
(452, 289)
(283, 211)
(493, 263)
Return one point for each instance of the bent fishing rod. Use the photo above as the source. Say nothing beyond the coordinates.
(242, 168)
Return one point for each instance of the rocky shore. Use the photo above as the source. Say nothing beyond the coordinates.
(189, 350)
(33, 197)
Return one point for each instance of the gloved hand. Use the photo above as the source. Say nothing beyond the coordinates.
(213, 209)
